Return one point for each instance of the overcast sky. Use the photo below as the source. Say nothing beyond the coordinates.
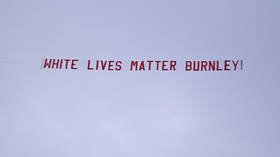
(47, 113)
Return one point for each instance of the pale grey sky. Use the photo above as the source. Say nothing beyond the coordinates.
(80, 113)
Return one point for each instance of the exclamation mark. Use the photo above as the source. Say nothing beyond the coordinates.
(241, 64)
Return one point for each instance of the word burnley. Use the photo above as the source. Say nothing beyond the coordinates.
(143, 65)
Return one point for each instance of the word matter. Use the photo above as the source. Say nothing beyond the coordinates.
(151, 65)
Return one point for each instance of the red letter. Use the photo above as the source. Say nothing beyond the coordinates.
(227, 65)
(110, 67)
(188, 65)
(118, 65)
(133, 64)
(66, 63)
(235, 64)
(204, 65)
(164, 65)
(55, 63)
(173, 65)
(88, 66)
(73, 63)
(47, 64)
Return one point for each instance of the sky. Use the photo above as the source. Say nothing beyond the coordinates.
(154, 114)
